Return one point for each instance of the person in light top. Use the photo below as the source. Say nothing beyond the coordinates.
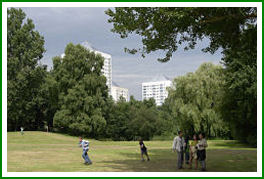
(178, 144)
(201, 152)
(85, 146)
(22, 130)
(193, 151)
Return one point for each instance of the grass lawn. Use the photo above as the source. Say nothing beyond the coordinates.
(50, 152)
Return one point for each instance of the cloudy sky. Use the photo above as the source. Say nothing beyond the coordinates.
(59, 26)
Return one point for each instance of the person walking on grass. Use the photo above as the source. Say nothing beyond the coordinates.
(143, 150)
(85, 146)
(201, 152)
(177, 145)
(193, 151)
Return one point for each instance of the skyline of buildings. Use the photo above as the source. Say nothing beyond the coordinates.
(155, 88)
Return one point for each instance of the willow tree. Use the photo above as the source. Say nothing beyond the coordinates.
(194, 100)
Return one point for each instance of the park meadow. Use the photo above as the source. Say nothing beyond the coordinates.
(51, 152)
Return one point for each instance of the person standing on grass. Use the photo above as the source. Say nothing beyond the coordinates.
(85, 146)
(193, 151)
(22, 130)
(186, 150)
(201, 152)
(177, 145)
(143, 150)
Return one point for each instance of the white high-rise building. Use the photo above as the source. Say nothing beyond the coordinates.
(107, 67)
(118, 92)
(157, 89)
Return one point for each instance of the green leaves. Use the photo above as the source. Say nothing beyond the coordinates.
(240, 93)
(132, 120)
(25, 47)
(191, 97)
(166, 28)
(82, 92)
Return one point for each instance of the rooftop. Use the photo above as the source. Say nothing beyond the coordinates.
(159, 77)
(88, 46)
(115, 84)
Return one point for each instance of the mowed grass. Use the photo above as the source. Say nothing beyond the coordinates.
(50, 152)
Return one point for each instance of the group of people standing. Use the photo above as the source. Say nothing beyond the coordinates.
(190, 150)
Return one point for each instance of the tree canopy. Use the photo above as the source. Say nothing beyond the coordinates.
(25, 48)
(194, 99)
(166, 28)
(239, 104)
(82, 91)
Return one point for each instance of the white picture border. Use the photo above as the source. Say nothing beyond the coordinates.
(6, 5)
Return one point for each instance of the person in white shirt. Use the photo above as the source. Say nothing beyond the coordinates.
(178, 144)
(85, 146)
(201, 152)
(22, 130)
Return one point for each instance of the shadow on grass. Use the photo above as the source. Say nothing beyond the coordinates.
(230, 144)
(160, 161)
(165, 161)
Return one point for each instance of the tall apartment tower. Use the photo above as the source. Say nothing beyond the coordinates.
(118, 92)
(157, 89)
(107, 67)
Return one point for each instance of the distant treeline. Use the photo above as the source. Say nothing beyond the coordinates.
(73, 97)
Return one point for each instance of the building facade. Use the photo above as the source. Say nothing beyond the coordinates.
(118, 92)
(157, 89)
(107, 67)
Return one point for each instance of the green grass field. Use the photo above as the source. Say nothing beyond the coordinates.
(50, 152)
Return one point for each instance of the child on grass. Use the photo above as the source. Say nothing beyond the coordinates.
(193, 151)
(143, 150)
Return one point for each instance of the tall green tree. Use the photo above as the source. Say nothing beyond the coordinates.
(143, 123)
(166, 124)
(239, 104)
(118, 121)
(132, 120)
(49, 98)
(194, 100)
(25, 48)
(82, 92)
